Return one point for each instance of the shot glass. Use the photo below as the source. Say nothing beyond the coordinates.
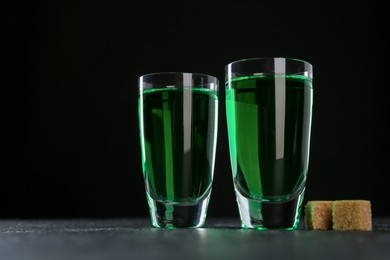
(178, 120)
(269, 110)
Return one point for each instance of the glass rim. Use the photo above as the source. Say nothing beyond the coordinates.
(185, 80)
(177, 73)
(267, 58)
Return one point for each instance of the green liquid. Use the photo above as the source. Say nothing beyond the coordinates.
(178, 140)
(269, 119)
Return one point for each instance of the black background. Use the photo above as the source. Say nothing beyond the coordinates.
(69, 96)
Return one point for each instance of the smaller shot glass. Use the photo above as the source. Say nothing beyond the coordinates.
(178, 120)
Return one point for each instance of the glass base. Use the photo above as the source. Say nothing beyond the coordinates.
(267, 215)
(168, 215)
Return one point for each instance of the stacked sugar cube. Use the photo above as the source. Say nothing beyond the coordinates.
(338, 215)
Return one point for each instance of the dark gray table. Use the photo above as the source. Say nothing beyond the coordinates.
(220, 239)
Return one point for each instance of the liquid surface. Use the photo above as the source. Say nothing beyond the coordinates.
(269, 121)
(178, 140)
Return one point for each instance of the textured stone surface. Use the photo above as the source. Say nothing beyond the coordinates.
(220, 239)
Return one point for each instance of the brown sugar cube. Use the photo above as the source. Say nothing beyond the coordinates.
(352, 215)
(318, 215)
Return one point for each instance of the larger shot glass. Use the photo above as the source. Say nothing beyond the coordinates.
(269, 110)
